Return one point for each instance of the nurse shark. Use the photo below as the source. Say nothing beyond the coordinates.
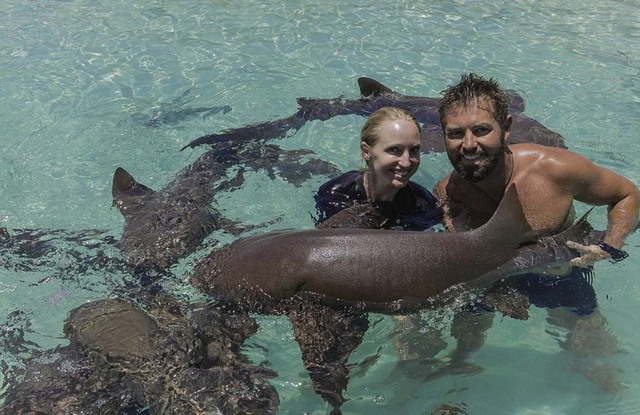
(326, 280)
(146, 355)
(375, 95)
(362, 265)
(162, 227)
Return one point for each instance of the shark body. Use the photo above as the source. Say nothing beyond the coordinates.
(375, 95)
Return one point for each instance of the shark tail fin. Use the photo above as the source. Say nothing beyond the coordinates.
(370, 87)
(509, 221)
(125, 188)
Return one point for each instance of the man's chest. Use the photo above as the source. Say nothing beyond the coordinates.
(547, 211)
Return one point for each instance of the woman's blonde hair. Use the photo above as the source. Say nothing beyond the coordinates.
(369, 132)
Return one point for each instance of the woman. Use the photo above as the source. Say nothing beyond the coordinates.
(390, 146)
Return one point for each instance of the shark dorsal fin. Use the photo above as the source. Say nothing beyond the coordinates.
(371, 87)
(583, 218)
(125, 189)
(576, 232)
(122, 180)
(509, 221)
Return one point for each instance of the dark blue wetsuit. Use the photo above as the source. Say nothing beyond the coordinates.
(414, 208)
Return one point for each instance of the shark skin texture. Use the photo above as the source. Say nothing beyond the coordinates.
(339, 262)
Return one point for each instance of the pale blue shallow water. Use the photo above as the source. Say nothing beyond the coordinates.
(74, 74)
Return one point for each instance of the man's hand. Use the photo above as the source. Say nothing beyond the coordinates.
(592, 253)
(589, 254)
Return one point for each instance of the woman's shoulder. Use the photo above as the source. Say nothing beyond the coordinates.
(338, 194)
(345, 183)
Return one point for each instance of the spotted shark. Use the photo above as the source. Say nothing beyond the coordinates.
(373, 96)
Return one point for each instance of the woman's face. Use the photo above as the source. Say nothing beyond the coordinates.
(395, 156)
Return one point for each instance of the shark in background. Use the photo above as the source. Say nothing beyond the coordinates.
(162, 227)
(375, 95)
(146, 352)
(169, 113)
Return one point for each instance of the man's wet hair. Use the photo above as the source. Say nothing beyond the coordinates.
(471, 90)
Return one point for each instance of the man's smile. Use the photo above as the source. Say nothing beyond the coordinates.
(471, 156)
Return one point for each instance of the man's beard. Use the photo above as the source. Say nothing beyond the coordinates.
(477, 173)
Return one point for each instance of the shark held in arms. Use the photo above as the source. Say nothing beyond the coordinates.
(363, 265)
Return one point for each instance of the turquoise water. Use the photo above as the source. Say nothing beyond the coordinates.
(78, 76)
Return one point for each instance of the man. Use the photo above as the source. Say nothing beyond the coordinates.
(476, 126)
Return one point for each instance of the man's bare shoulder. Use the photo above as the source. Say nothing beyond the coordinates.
(550, 161)
(543, 153)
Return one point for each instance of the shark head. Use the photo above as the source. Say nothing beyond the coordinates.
(160, 227)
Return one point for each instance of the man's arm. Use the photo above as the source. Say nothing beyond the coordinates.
(598, 186)
(623, 199)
